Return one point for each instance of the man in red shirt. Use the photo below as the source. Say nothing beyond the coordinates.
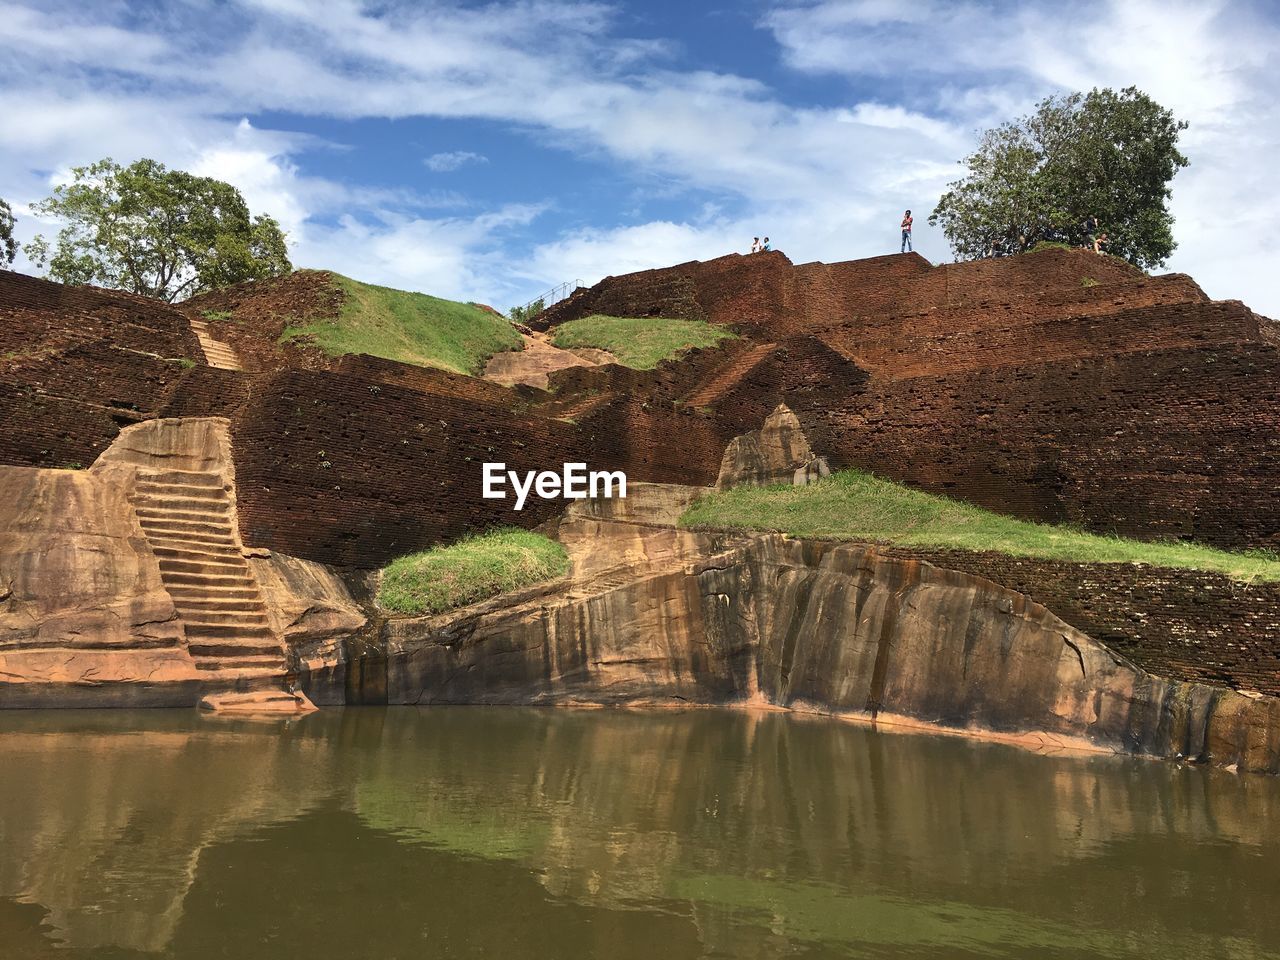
(906, 232)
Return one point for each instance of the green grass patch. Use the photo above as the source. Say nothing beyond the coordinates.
(852, 505)
(409, 327)
(214, 316)
(470, 570)
(640, 343)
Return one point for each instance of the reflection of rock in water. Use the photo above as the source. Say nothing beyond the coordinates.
(750, 834)
(722, 813)
(107, 827)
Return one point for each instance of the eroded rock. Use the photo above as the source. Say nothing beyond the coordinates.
(778, 452)
(817, 627)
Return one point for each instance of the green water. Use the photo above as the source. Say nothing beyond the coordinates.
(501, 832)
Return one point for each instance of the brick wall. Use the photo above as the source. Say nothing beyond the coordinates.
(1058, 386)
(333, 468)
(77, 363)
(1171, 443)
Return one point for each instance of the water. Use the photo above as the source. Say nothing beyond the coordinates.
(502, 832)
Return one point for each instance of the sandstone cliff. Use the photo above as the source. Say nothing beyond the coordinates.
(769, 621)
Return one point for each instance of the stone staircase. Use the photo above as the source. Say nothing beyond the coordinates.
(730, 375)
(585, 406)
(218, 354)
(189, 521)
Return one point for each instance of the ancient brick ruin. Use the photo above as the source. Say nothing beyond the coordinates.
(1058, 386)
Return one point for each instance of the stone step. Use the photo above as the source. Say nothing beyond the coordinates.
(181, 592)
(205, 648)
(184, 491)
(205, 624)
(588, 405)
(174, 505)
(211, 523)
(197, 552)
(222, 622)
(160, 517)
(217, 566)
(184, 536)
(218, 604)
(263, 652)
(188, 478)
(243, 581)
(730, 376)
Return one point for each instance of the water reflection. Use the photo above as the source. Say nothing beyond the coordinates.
(507, 832)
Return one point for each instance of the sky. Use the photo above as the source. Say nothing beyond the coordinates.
(490, 151)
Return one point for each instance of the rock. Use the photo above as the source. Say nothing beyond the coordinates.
(86, 613)
(779, 452)
(84, 605)
(309, 605)
(809, 626)
(258, 703)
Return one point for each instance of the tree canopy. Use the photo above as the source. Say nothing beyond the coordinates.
(158, 232)
(8, 246)
(1103, 155)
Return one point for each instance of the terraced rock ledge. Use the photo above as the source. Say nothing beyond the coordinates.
(661, 617)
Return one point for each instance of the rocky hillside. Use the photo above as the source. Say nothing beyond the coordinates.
(310, 318)
(1058, 386)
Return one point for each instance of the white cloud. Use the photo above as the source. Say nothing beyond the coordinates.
(1207, 60)
(826, 182)
(448, 162)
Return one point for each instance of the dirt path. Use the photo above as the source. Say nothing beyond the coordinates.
(538, 358)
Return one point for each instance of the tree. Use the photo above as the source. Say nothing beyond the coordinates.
(522, 315)
(161, 233)
(8, 246)
(1103, 154)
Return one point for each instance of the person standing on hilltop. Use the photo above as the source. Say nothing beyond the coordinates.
(906, 232)
(1091, 232)
(755, 244)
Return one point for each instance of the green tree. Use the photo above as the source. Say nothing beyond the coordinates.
(522, 315)
(161, 233)
(8, 246)
(1102, 154)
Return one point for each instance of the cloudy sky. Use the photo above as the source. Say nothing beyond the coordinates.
(490, 151)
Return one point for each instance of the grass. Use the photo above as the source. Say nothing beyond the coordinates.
(852, 505)
(409, 327)
(214, 316)
(470, 570)
(639, 343)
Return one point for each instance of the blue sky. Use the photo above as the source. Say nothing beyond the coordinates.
(490, 151)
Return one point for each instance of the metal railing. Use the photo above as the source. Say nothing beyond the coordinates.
(557, 293)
